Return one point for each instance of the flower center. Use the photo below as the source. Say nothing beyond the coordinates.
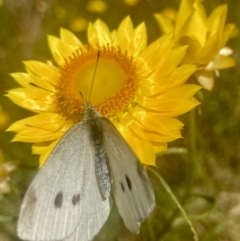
(110, 90)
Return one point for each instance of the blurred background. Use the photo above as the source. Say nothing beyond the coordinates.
(202, 169)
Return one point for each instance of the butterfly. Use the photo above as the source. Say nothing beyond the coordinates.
(70, 197)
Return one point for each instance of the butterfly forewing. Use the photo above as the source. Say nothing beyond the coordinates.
(57, 201)
(132, 189)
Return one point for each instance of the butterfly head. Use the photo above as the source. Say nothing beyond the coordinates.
(90, 111)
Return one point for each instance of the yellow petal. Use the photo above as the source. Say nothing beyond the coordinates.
(209, 51)
(172, 124)
(161, 138)
(193, 51)
(216, 20)
(196, 21)
(183, 73)
(124, 34)
(165, 23)
(170, 13)
(171, 62)
(98, 33)
(53, 43)
(23, 79)
(47, 152)
(184, 12)
(180, 93)
(159, 147)
(228, 30)
(69, 38)
(65, 50)
(161, 47)
(139, 40)
(48, 72)
(179, 76)
(133, 125)
(148, 121)
(29, 80)
(173, 108)
(39, 128)
(34, 99)
(39, 148)
(143, 149)
(60, 50)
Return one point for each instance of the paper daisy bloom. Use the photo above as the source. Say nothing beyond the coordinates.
(206, 37)
(140, 88)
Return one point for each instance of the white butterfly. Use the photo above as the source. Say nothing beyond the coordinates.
(69, 197)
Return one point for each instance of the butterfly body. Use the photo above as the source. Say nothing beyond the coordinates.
(68, 200)
(93, 120)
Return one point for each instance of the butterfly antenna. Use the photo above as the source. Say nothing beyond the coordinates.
(94, 74)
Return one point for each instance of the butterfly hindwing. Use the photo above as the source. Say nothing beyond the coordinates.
(57, 203)
(132, 190)
(95, 215)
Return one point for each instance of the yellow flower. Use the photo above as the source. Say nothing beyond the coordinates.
(139, 88)
(206, 37)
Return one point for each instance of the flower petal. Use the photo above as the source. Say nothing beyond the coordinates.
(143, 149)
(150, 57)
(48, 72)
(196, 21)
(159, 147)
(216, 21)
(42, 127)
(53, 45)
(162, 138)
(29, 80)
(165, 23)
(60, 50)
(148, 121)
(184, 13)
(124, 34)
(69, 38)
(98, 33)
(47, 152)
(180, 93)
(34, 99)
(171, 62)
(39, 148)
(177, 78)
(226, 34)
(139, 40)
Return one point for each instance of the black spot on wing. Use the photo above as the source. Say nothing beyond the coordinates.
(75, 199)
(58, 200)
(129, 183)
(122, 186)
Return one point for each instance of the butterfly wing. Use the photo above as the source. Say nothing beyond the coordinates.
(132, 190)
(57, 201)
(95, 214)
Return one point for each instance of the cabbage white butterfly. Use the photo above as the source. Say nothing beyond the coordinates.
(69, 199)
